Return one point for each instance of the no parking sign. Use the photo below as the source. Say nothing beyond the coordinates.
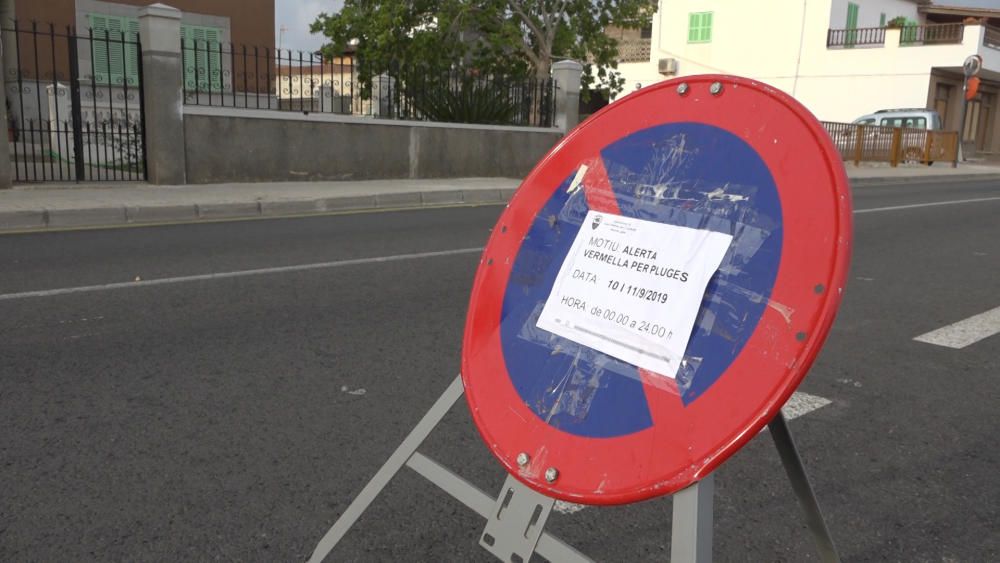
(656, 290)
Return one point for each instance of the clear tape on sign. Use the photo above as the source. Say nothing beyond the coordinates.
(726, 208)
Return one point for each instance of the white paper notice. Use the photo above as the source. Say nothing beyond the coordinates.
(632, 288)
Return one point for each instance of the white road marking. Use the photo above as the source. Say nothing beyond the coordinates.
(238, 274)
(563, 507)
(803, 403)
(931, 204)
(798, 405)
(139, 282)
(965, 333)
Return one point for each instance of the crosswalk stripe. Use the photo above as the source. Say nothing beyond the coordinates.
(965, 332)
(798, 405)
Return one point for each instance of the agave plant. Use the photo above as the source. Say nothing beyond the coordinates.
(463, 99)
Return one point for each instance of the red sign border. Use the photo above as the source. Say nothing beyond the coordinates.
(508, 427)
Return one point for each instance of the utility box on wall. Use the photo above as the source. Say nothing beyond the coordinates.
(667, 67)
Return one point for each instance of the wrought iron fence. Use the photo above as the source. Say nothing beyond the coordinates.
(875, 143)
(227, 75)
(865, 36)
(75, 104)
(992, 37)
(932, 34)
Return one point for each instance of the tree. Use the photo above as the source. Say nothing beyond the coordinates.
(512, 37)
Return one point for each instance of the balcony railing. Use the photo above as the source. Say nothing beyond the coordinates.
(633, 50)
(932, 34)
(865, 36)
(992, 37)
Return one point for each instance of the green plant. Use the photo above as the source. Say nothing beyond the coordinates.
(897, 22)
(467, 100)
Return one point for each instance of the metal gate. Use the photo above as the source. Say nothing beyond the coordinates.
(74, 104)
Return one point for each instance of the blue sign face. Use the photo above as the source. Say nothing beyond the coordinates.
(685, 174)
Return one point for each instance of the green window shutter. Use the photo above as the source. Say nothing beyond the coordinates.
(116, 58)
(699, 27)
(852, 15)
(114, 61)
(881, 20)
(187, 47)
(852, 24)
(132, 51)
(909, 34)
(202, 58)
(213, 37)
(99, 48)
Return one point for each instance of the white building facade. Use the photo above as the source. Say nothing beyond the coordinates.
(840, 58)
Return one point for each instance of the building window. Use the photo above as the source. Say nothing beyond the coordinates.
(202, 58)
(115, 52)
(911, 122)
(647, 31)
(700, 27)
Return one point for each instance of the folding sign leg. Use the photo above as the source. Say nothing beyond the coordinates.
(800, 484)
(691, 536)
(515, 524)
(389, 470)
(547, 545)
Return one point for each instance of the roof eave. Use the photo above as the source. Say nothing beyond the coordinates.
(959, 11)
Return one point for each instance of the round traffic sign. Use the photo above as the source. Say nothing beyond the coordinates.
(704, 156)
(972, 65)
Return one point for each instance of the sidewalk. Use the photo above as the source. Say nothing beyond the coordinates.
(57, 206)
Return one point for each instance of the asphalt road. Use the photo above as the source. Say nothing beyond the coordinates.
(234, 417)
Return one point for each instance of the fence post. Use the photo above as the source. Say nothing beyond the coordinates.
(6, 170)
(859, 141)
(897, 142)
(162, 83)
(567, 77)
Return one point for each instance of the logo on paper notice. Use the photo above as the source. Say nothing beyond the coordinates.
(634, 290)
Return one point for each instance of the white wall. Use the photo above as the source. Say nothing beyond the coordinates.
(870, 12)
(746, 40)
(785, 46)
(843, 84)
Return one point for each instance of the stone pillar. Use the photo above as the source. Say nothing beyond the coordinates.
(162, 83)
(6, 170)
(8, 14)
(567, 76)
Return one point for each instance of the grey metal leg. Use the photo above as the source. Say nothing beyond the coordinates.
(386, 473)
(549, 546)
(800, 484)
(691, 538)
